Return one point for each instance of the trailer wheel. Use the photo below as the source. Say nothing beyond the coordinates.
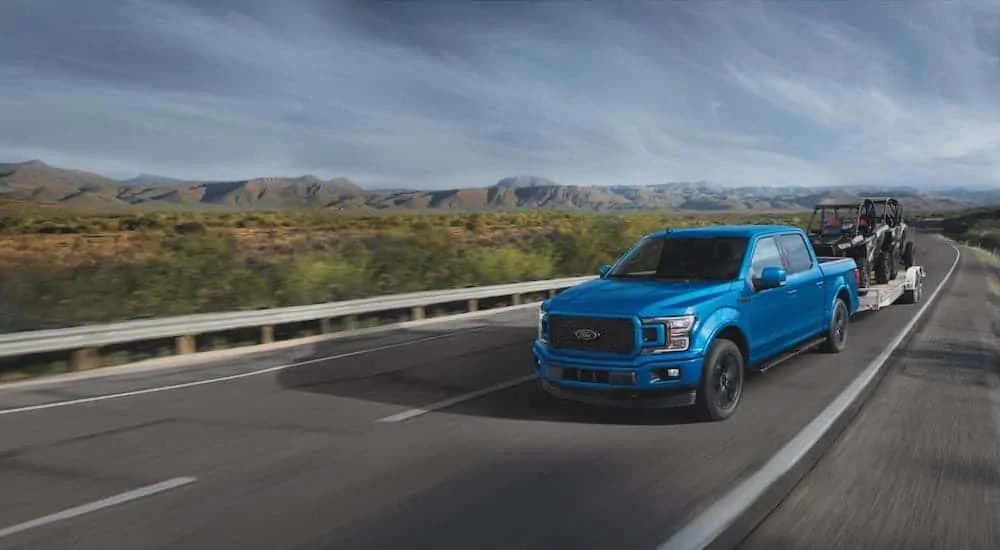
(721, 384)
(913, 296)
(836, 334)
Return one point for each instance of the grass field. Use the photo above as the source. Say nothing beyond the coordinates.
(59, 268)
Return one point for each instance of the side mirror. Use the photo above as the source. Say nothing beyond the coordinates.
(605, 269)
(770, 277)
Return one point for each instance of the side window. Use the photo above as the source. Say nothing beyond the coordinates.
(796, 253)
(766, 254)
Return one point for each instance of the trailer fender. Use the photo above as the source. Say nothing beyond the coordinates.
(914, 278)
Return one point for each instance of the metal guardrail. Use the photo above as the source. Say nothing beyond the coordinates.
(84, 342)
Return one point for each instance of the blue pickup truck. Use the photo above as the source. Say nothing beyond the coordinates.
(683, 313)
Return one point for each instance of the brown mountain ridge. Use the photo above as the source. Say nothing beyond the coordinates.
(37, 182)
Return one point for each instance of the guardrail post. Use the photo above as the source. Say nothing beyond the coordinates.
(185, 344)
(324, 326)
(266, 334)
(516, 299)
(473, 305)
(417, 313)
(350, 322)
(552, 292)
(83, 359)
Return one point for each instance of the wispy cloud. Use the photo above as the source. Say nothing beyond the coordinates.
(440, 94)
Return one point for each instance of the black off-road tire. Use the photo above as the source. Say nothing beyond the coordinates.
(836, 333)
(894, 264)
(865, 270)
(883, 261)
(908, 255)
(721, 387)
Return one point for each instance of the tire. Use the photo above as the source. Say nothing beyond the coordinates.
(836, 333)
(866, 273)
(882, 267)
(894, 264)
(908, 255)
(724, 357)
(913, 296)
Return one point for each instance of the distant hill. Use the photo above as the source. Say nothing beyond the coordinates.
(151, 180)
(37, 182)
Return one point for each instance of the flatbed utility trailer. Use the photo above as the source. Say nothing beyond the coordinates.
(907, 286)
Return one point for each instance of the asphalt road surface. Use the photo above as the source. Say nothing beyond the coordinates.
(292, 450)
(920, 465)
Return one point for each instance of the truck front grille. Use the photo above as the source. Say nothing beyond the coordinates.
(600, 334)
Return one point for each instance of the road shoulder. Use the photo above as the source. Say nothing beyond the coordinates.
(918, 467)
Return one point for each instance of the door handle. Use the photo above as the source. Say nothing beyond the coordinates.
(791, 291)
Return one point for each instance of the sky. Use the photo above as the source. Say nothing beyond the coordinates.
(460, 94)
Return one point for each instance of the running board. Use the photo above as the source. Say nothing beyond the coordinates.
(795, 352)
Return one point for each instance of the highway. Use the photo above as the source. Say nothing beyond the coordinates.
(433, 438)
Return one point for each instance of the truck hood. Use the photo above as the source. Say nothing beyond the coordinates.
(632, 297)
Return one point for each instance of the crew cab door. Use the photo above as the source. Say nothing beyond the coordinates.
(766, 311)
(805, 287)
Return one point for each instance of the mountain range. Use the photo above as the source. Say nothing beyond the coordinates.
(37, 182)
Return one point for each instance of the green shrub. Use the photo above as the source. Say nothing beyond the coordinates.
(198, 265)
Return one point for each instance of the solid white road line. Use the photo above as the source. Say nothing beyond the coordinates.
(98, 505)
(711, 523)
(207, 381)
(445, 403)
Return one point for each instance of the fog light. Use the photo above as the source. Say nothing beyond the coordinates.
(664, 374)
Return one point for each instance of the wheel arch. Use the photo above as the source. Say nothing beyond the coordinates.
(733, 333)
(845, 295)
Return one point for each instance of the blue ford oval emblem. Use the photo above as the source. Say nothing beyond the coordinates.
(586, 334)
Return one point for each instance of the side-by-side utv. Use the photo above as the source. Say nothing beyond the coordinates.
(871, 231)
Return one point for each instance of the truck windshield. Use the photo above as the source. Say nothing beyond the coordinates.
(683, 259)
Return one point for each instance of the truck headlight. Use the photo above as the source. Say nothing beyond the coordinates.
(543, 322)
(668, 333)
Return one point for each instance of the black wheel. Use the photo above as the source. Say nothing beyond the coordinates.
(721, 381)
(836, 334)
(882, 267)
(866, 273)
(894, 264)
(908, 255)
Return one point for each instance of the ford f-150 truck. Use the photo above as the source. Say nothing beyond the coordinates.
(682, 314)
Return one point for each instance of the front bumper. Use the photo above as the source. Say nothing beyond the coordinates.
(645, 381)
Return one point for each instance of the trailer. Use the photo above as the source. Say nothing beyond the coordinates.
(907, 288)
